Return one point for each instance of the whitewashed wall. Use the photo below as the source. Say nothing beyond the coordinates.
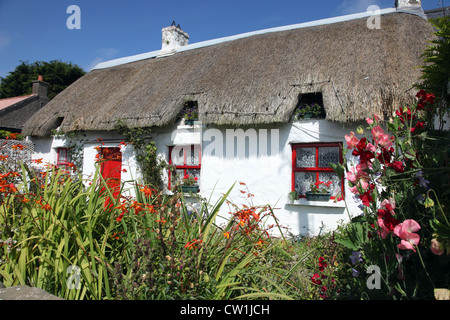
(267, 176)
(46, 149)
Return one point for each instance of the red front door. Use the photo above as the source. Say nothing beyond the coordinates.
(111, 167)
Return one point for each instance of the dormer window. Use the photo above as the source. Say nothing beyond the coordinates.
(309, 106)
(189, 113)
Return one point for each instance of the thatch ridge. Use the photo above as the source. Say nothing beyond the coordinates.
(253, 80)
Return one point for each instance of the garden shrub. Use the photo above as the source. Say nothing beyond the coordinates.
(404, 230)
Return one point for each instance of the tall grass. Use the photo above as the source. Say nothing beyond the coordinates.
(72, 238)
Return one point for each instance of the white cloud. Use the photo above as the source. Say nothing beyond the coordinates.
(103, 54)
(355, 6)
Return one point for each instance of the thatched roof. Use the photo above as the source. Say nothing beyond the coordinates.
(253, 79)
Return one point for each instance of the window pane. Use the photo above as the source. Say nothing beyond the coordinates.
(193, 173)
(303, 181)
(328, 155)
(189, 172)
(306, 157)
(335, 188)
(192, 157)
(62, 155)
(177, 156)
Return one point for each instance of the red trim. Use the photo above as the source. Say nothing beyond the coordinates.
(111, 168)
(316, 169)
(185, 167)
(58, 153)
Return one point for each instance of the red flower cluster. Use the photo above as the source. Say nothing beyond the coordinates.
(408, 115)
(320, 278)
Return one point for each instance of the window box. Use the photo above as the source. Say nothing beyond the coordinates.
(190, 189)
(310, 196)
(189, 122)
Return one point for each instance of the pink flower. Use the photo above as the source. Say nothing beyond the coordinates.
(352, 141)
(376, 117)
(377, 132)
(371, 147)
(369, 121)
(381, 139)
(357, 175)
(389, 204)
(436, 247)
(405, 231)
(351, 176)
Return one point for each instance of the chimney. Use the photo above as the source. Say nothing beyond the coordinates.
(173, 38)
(40, 87)
(409, 5)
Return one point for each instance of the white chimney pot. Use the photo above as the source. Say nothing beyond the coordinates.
(408, 4)
(173, 38)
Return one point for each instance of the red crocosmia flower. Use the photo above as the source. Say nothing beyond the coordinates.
(46, 207)
(147, 191)
(119, 218)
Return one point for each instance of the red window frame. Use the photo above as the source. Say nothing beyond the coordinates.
(185, 167)
(315, 169)
(67, 157)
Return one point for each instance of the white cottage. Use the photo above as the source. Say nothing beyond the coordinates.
(248, 89)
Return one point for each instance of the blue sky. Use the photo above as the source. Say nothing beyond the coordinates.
(33, 30)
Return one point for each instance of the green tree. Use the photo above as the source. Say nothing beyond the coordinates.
(58, 74)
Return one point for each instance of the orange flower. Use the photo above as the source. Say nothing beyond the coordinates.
(193, 244)
(137, 207)
(147, 191)
(161, 220)
(46, 207)
(38, 161)
(18, 146)
(226, 235)
(260, 242)
(3, 158)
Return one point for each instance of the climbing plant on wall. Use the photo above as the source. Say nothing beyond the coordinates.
(150, 164)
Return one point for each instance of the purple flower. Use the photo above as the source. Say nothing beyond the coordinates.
(422, 181)
(356, 257)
